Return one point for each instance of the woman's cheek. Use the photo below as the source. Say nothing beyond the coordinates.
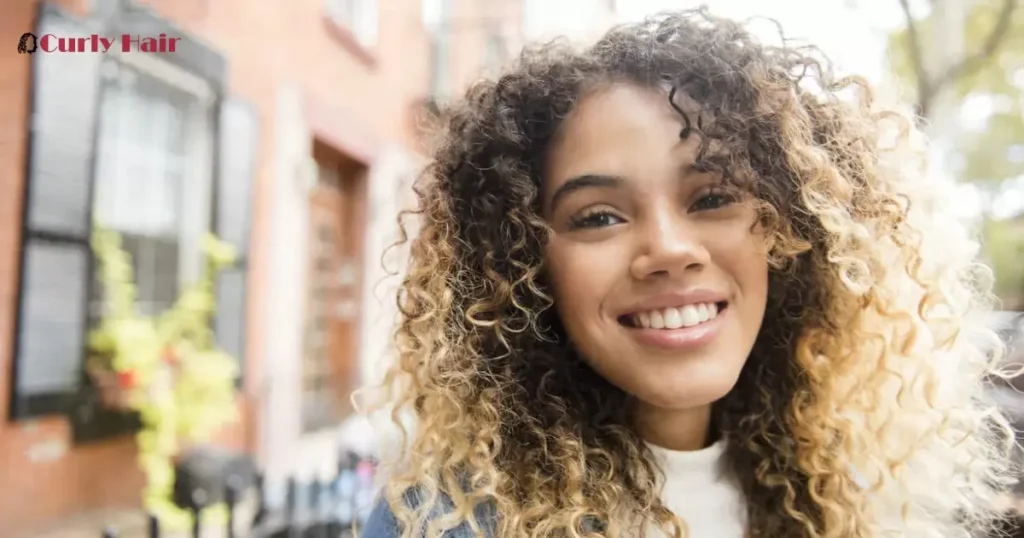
(583, 272)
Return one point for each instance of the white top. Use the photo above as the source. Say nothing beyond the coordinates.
(699, 490)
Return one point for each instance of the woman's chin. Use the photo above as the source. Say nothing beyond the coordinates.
(694, 395)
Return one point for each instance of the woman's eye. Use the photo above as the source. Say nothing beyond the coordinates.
(713, 200)
(597, 219)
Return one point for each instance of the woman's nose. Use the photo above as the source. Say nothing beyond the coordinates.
(669, 245)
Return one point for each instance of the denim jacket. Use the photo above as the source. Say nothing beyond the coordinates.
(382, 522)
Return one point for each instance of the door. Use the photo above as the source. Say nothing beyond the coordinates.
(337, 208)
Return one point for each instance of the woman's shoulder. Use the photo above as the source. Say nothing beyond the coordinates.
(383, 523)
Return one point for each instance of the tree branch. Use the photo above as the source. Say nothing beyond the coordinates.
(972, 63)
(928, 87)
(924, 90)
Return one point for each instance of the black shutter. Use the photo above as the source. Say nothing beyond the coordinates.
(49, 340)
(238, 140)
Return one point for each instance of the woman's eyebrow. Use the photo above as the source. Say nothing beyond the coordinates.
(584, 181)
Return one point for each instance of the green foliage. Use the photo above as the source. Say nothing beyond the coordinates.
(182, 386)
(994, 155)
(989, 156)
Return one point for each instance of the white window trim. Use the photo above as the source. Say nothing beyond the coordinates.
(169, 73)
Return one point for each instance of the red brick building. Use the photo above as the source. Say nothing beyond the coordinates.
(285, 127)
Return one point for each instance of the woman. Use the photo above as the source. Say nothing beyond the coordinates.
(675, 284)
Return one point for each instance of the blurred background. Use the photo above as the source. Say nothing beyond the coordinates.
(292, 131)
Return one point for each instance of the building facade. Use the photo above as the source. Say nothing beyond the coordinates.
(286, 128)
(292, 130)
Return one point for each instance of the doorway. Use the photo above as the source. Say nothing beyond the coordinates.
(337, 227)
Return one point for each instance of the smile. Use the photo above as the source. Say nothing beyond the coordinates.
(677, 328)
(674, 318)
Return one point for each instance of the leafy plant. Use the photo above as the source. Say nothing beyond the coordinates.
(166, 367)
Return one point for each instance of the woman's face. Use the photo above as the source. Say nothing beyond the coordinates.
(658, 273)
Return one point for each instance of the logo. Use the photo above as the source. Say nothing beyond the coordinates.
(27, 44)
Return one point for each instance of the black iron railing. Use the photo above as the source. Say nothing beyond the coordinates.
(310, 509)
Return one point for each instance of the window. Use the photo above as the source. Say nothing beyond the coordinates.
(129, 142)
(153, 180)
(359, 16)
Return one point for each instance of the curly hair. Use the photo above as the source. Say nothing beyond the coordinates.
(862, 400)
(27, 43)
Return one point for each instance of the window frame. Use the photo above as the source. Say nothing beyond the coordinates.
(34, 405)
(194, 62)
(202, 118)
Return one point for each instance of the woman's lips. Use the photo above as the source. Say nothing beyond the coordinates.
(681, 338)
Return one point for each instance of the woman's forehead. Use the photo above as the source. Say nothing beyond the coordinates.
(618, 125)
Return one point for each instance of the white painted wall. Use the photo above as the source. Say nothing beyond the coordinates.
(287, 273)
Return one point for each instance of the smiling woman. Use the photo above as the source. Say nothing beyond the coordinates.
(674, 284)
(658, 269)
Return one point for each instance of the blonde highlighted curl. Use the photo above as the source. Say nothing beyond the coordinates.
(860, 411)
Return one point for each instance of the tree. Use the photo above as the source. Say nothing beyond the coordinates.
(992, 66)
(990, 70)
(989, 34)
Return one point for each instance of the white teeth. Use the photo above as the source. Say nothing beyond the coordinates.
(691, 315)
(675, 318)
(702, 310)
(657, 320)
(644, 319)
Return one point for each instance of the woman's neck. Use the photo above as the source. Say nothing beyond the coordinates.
(675, 429)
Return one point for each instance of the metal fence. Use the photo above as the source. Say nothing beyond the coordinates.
(310, 509)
